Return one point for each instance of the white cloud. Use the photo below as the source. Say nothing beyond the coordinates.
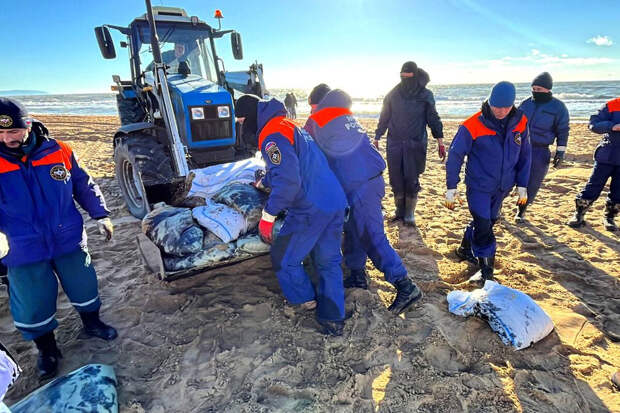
(601, 41)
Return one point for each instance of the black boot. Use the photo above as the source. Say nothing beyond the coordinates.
(47, 362)
(465, 253)
(486, 271)
(331, 328)
(520, 217)
(399, 202)
(407, 293)
(357, 279)
(94, 327)
(410, 204)
(581, 206)
(611, 210)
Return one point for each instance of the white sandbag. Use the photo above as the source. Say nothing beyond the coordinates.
(223, 221)
(211, 179)
(513, 315)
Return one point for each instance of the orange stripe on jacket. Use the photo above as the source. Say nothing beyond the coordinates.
(476, 128)
(62, 155)
(614, 105)
(6, 166)
(280, 125)
(326, 115)
(521, 125)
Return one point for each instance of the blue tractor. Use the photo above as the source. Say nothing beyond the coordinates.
(177, 111)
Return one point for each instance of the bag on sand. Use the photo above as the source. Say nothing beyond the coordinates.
(173, 230)
(513, 315)
(204, 258)
(245, 199)
(221, 220)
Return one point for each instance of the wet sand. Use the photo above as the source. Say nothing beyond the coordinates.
(227, 341)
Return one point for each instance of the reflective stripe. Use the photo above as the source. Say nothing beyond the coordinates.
(561, 149)
(86, 303)
(42, 323)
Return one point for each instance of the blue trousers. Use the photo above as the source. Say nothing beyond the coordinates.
(540, 166)
(484, 208)
(320, 236)
(33, 290)
(364, 235)
(600, 174)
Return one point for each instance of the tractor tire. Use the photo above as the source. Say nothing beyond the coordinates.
(129, 110)
(143, 168)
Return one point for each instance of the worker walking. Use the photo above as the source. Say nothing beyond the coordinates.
(40, 180)
(359, 168)
(302, 185)
(497, 146)
(606, 165)
(407, 109)
(548, 122)
(290, 101)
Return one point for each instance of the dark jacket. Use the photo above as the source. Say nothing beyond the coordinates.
(344, 142)
(297, 171)
(608, 150)
(497, 160)
(37, 201)
(546, 121)
(405, 117)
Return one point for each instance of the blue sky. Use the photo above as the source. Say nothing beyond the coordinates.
(358, 45)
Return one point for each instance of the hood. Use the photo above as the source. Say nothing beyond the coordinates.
(423, 78)
(411, 87)
(267, 110)
(336, 99)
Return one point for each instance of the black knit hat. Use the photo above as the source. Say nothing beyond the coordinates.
(544, 80)
(13, 115)
(247, 107)
(409, 67)
(318, 93)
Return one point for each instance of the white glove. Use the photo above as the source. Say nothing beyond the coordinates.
(522, 192)
(105, 227)
(452, 196)
(4, 245)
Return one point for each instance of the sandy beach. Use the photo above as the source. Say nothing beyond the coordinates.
(226, 341)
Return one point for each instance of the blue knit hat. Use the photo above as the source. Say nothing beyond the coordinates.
(502, 95)
(13, 115)
(544, 79)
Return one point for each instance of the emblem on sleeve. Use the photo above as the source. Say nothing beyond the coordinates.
(59, 173)
(273, 152)
(518, 138)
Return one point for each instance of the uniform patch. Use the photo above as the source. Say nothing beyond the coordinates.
(59, 173)
(518, 138)
(273, 152)
(6, 121)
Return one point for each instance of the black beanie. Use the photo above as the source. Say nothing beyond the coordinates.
(409, 67)
(544, 80)
(318, 93)
(13, 115)
(247, 107)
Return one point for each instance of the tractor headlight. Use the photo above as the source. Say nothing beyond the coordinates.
(198, 113)
(223, 112)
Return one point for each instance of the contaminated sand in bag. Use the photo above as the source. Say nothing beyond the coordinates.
(223, 221)
(244, 198)
(173, 229)
(205, 258)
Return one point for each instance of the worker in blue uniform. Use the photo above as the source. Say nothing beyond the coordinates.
(606, 165)
(359, 168)
(497, 146)
(40, 180)
(301, 184)
(548, 122)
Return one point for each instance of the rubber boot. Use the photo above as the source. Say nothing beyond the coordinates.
(465, 253)
(611, 210)
(331, 328)
(581, 206)
(410, 204)
(520, 217)
(399, 203)
(47, 361)
(94, 327)
(357, 279)
(485, 272)
(407, 293)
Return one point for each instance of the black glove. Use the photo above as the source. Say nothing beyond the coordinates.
(558, 158)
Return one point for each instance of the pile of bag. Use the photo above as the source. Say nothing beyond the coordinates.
(223, 228)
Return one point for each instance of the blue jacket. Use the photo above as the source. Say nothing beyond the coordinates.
(37, 201)
(546, 121)
(496, 159)
(344, 142)
(297, 171)
(608, 150)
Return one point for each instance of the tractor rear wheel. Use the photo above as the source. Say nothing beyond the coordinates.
(129, 110)
(143, 167)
